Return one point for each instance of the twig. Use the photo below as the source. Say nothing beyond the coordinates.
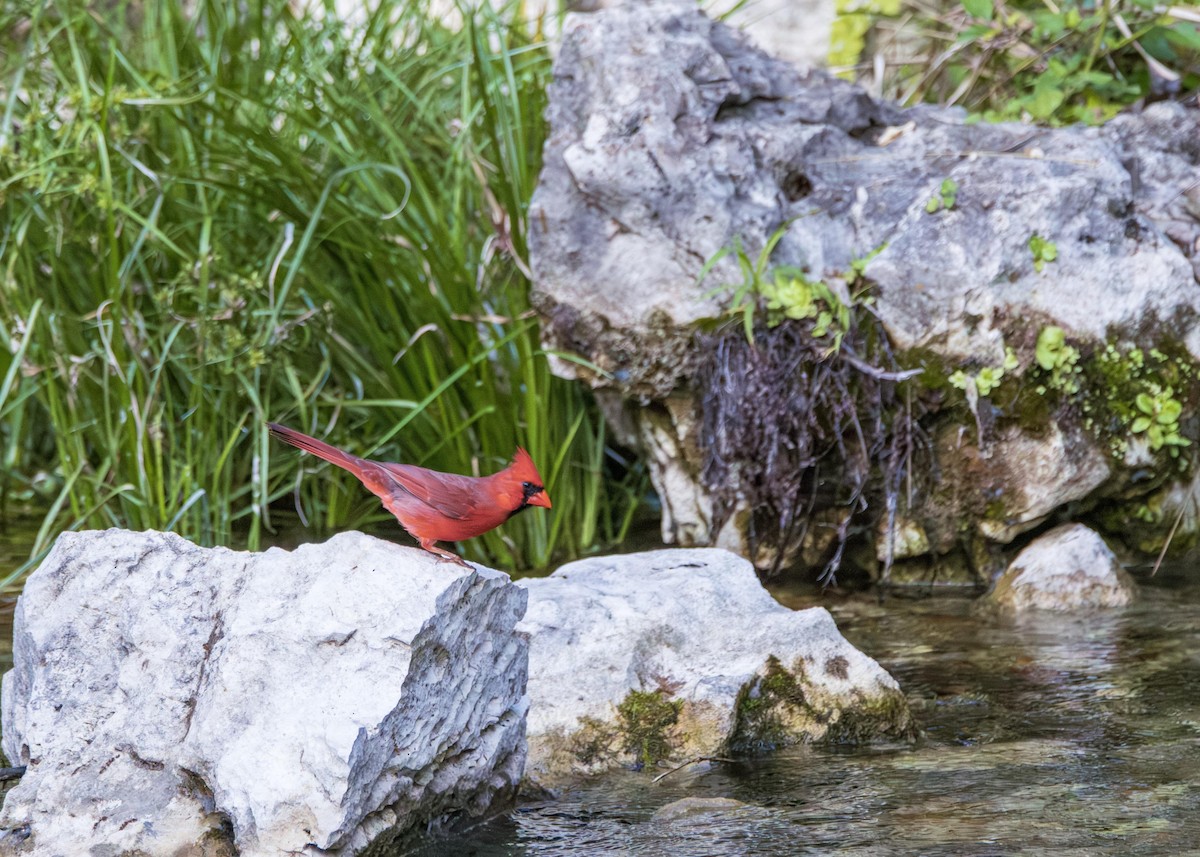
(683, 765)
(1175, 526)
(1154, 65)
(875, 372)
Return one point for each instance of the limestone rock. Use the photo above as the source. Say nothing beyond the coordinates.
(1019, 482)
(1069, 568)
(672, 137)
(656, 160)
(174, 699)
(679, 653)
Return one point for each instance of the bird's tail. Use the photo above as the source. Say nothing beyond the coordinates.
(317, 447)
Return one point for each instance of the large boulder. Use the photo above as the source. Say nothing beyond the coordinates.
(668, 655)
(672, 139)
(171, 699)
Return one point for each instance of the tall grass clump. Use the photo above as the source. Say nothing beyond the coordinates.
(213, 214)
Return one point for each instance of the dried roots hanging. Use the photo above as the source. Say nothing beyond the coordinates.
(798, 432)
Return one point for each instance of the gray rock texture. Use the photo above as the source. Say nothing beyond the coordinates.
(1068, 569)
(171, 699)
(672, 137)
(673, 654)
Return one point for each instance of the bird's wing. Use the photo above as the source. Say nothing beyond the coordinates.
(455, 496)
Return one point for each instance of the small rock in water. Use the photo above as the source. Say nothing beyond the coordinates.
(692, 806)
(1069, 568)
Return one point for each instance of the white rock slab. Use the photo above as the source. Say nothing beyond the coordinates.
(694, 631)
(168, 697)
(1069, 568)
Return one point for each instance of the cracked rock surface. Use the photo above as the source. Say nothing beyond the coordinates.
(172, 699)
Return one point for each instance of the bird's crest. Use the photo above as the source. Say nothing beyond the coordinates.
(524, 468)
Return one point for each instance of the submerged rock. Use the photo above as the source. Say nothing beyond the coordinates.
(1069, 568)
(690, 807)
(673, 654)
(171, 699)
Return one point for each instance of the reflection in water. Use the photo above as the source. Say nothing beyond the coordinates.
(1073, 736)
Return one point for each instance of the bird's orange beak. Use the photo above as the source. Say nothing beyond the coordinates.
(541, 498)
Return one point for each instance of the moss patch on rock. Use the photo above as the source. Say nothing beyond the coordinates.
(783, 707)
(646, 721)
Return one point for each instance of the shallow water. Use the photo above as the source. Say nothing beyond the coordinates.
(1077, 737)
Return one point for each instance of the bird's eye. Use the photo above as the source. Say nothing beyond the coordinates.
(527, 486)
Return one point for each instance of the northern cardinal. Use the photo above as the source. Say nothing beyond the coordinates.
(433, 506)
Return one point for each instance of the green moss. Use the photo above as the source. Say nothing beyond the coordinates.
(995, 510)
(936, 373)
(593, 741)
(782, 707)
(1132, 394)
(1146, 523)
(646, 721)
(1116, 392)
(883, 716)
(761, 707)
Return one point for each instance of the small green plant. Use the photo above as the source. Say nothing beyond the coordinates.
(988, 378)
(1043, 251)
(1061, 360)
(1158, 418)
(1121, 391)
(786, 292)
(945, 199)
(792, 295)
(858, 267)
(1052, 351)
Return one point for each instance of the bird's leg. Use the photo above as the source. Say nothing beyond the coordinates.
(443, 555)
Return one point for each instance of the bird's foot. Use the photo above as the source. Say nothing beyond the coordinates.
(444, 555)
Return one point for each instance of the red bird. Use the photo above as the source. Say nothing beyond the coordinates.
(433, 506)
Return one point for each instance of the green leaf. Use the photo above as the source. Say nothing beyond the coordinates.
(1170, 412)
(1140, 425)
(1145, 403)
(1047, 97)
(979, 8)
(974, 33)
(1050, 344)
(1185, 36)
